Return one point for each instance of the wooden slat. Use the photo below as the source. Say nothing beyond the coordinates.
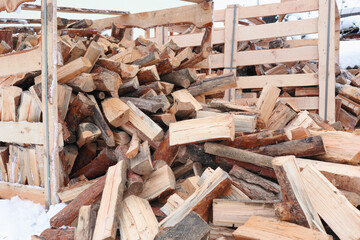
(300, 103)
(302, 42)
(21, 132)
(292, 80)
(186, 14)
(25, 192)
(280, 29)
(20, 62)
(257, 57)
(326, 106)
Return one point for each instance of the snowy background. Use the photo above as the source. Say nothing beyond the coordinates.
(21, 219)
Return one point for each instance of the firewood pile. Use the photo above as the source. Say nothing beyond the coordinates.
(152, 151)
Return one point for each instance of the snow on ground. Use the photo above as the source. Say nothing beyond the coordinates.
(349, 53)
(20, 219)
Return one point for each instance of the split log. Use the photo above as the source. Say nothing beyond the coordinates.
(73, 69)
(281, 116)
(68, 214)
(135, 183)
(182, 110)
(262, 228)
(167, 87)
(349, 91)
(160, 183)
(116, 111)
(82, 83)
(165, 152)
(129, 85)
(192, 227)
(155, 86)
(213, 85)
(142, 122)
(98, 166)
(349, 105)
(146, 105)
(183, 96)
(163, 100)
(77, 50)
(331, 204)
(121, 137)
(70, 154)
(200, 201)
(191, 184)
(28, 109)
(85, 155)
(93, 52)
(348, 120)
(106, 221)
(238, 154)
(227, 213)
(167, 65)
(148, 74)
(131, 129)
(141, 163)
(99, 120)
(137, 220)
(164, 119)
(267, 101)
(203, 129)
(4, 158)
(67, 194)
(299, 133)
(87, 133)
(86, 223)
(221, 233)
(10, 98)
(58, 234)
(133, 147)
(150, 59)
(106, 80)
(182, 78)
(267, 137)
(296, 205)
(305, 147)
(126, 71)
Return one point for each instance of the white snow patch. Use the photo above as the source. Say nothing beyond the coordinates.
(20, 219)
(349, 53)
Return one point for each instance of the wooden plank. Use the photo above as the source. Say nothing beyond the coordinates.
(171, 16)
(261, 228)
(20, 62)
(256, 57)
(326, 69)
(25, 192)
(229, 213)
(22, 132)
(49, 101)
(279, 29)
(293, 80)
(106, 221)
(86, 223)
(332, 206)
(296, 204)
(202, 129)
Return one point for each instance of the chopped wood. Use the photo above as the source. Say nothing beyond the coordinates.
(82, 83)
(147, 104)
(73, 69)
(300, 133)
(67, 194)
(107, 81)
(281, 116)
(135, 183)
(148, 74)
(141, 163)
(58, 234)
(86, 223)
(126, 71)
(267, 100)
(87, 133)
(349, 105)
(116, 111)
(347, 119)
(213, 85)
(93, 52)
(183, 96)
(172, 203)
(10, 98)
(182, 78)
(198, 130)
(133, 147)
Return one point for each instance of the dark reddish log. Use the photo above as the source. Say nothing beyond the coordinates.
(68, 214)
(58, 234)
(311, 146)
(165, 152)
(134, 183)
(156, 86)
(86, 153)
(268, 137)
(6, 36)
(167, 65)
(147, 105)
(79, 109)
(227, 164)
(88, 32)
(99, 165)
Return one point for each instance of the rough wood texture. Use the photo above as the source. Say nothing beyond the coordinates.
(106, 220)
(137, 220)
(213, 85)
(202, 129)
(165, 152)
(115, 111)
(192, 227)
(262, 228)
(58, 234)
(86, 223)
(141, 163)
(182, 78)
(296, 205)
(68, 214)
(201, 199)
(331, 205)
(267, 100)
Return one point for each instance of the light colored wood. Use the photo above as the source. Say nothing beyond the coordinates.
(50, 102)
(4, 158)
(332, 205)
(293, 80)
(229, 213)
(67, 194)
(296, 202)
(326, 49)
(137, 220)
(70, 154)
(133, 147)
(183, 96)
(86, 223)
(25, 192)
(10, 99)
(73, 69)
(160, 182)
(202, 129)
(141, 163)
(201, 199)
(106, 221)
(93, 52)
(281, 116)
(28, 109)
(64, 95)
(300, 103)
(171, 16)
(144, 124)
(172, 203)
(262, 228)
(87, 133)
(21, 62)
(83, 83)
(24, 132)
(116, 111)
(191, 184)
(267, 100)
(341, 147)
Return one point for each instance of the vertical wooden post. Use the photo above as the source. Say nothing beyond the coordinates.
(161, 35)
(337, 34)
(230, 46)
(327, 60)
(49, 99)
